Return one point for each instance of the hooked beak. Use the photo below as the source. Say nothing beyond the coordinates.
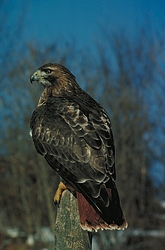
(34, 77)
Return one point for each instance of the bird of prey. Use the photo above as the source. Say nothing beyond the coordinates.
(73, 133)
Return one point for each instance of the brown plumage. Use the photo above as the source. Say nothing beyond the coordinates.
(73, 132)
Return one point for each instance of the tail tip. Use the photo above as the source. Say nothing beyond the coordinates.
(103, 226)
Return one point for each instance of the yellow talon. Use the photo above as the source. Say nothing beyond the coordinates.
(57, 197)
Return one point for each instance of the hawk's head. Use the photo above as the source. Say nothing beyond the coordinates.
(52, 74)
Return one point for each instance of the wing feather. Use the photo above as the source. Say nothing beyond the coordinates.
(61, 128)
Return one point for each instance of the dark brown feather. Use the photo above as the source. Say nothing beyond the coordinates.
(73, 132)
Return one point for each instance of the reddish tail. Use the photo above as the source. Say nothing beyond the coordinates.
(90, 220)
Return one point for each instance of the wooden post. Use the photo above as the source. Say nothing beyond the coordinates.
(68, 233)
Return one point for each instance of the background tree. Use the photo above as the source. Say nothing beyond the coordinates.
(126, 77)
(128, 93)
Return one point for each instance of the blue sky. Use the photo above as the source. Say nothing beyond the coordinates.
(46, 21)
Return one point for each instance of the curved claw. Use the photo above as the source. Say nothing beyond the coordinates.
(57, 197)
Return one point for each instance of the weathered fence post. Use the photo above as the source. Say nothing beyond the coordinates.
(68, 233)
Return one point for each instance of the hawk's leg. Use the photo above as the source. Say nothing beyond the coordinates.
(57, 197)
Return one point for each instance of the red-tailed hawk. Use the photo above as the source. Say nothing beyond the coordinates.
(73, 132)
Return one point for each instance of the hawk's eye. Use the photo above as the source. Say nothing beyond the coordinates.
(48, 71)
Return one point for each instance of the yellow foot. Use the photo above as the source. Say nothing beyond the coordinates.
(57, 197)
